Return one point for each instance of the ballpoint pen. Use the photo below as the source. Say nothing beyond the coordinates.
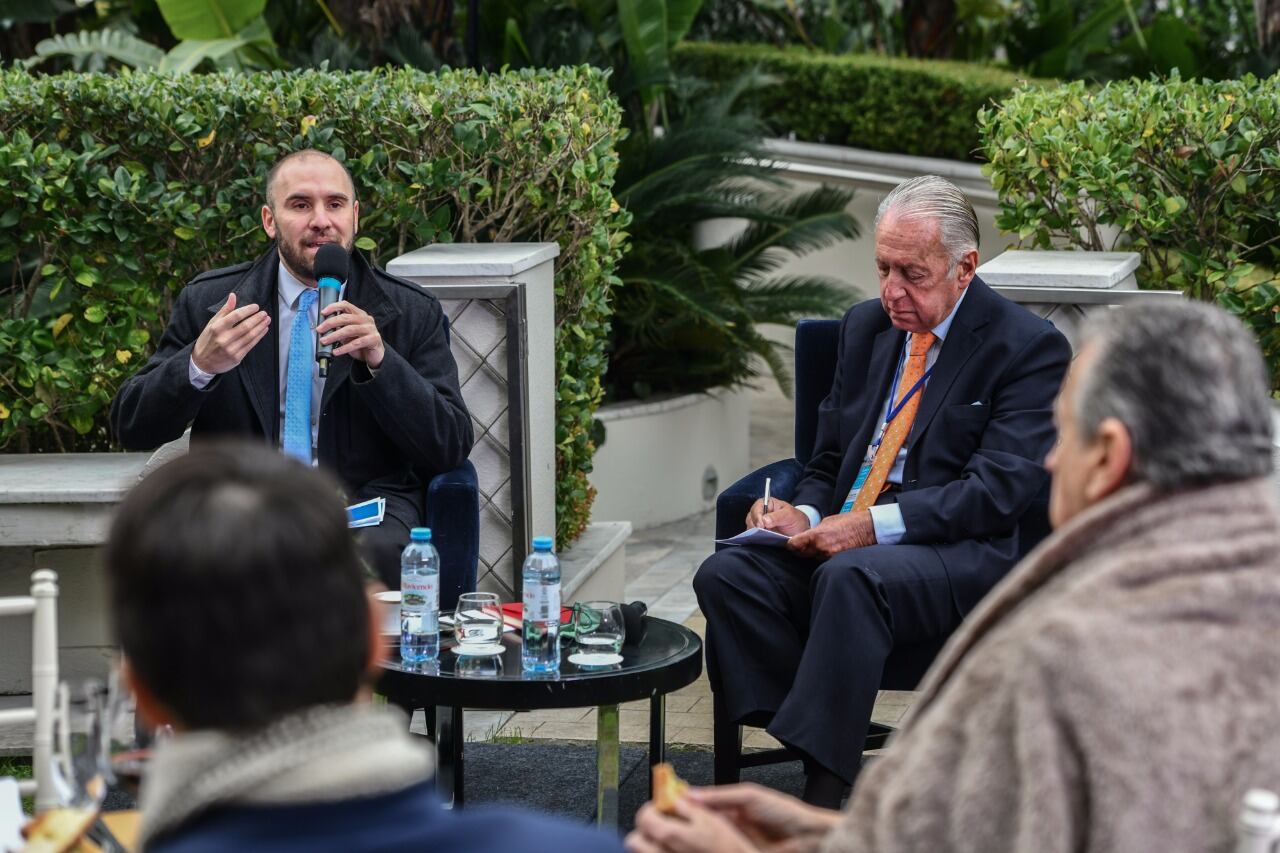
(768, 481)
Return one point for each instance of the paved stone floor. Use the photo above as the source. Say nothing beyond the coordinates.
(661, 562)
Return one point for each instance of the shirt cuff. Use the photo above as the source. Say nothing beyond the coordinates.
(199, 379)
(888, 523)
(811, 513)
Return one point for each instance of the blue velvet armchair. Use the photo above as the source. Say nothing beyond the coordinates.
(453, 514)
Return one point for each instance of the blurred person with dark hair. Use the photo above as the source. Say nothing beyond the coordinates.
(241, 610)
(1120, 689)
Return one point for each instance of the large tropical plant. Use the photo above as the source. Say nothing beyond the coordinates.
(685, 314)
(225, 33)
(1075, 39)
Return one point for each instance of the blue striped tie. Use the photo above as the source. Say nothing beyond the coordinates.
(297, 394)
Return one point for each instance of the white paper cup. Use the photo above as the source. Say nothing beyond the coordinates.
(389, 606)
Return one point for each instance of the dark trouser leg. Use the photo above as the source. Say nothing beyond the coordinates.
(379, 549)
(756, 601)
(861, 602)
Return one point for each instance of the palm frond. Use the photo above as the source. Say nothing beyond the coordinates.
(803, 223)
(89, 49)
(771, 354)
(788, 299)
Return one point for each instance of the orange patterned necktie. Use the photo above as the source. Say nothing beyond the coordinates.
(898, 430)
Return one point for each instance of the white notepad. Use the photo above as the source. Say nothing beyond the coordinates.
(757, 536)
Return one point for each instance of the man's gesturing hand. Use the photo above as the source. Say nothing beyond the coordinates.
(227, 338)
(352, 327)
(781, 517)
(834, 534)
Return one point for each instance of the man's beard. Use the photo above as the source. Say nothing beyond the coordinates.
(298, 262)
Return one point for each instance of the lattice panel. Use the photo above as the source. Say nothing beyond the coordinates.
(478, 328)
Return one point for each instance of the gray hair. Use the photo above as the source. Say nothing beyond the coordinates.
(1188, 382)
(930, 196)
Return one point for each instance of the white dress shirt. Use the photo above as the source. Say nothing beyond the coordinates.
(887, 518)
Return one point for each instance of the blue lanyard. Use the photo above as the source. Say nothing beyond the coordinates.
(896, 409)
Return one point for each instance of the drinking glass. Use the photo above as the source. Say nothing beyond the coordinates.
(127, 740)
(599, 627)
(477, 621)
(478, 666)
(78, 768)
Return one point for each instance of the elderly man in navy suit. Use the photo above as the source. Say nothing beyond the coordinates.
(928, 455)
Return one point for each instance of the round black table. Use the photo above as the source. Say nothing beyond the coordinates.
(668, 658)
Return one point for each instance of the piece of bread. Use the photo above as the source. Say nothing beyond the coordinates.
(57, 830)
(667, 787)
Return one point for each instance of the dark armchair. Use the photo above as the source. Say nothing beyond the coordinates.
(453, 514)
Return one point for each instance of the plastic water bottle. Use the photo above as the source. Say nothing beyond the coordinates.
(419, 598)
(540, 633)
(1258, 828)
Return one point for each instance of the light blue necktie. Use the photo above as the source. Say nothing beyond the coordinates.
(297, 383)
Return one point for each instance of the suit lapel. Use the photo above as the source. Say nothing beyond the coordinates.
(258, 371)
(963, 339)
(363, 291)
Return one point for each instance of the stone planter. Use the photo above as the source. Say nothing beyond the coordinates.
(667, 459)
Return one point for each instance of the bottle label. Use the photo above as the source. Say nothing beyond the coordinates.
(420, 592)
(542, 603)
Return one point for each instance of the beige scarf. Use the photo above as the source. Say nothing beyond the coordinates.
(327, 753)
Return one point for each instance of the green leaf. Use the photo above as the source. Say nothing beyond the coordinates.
(680, 15)
(188, 55)
(95, 314)
(96, 45)
(10, 218)
(366, 243)
(1239, 184)
(87, 277)
(644, 31)
(206, 20)
(1174, 204)
(183, 232)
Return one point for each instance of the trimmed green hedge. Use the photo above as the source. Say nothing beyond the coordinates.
(115, 190)
(904, 106)
(1185, 172)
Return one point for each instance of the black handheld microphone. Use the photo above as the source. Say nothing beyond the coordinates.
(331, 271)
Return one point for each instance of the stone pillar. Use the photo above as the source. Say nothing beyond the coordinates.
(500, 300)
(1064, 287)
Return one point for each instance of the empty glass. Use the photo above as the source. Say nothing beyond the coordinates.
(127, 740)
(477, 622)
(599, 627)
(78, 766)
(478, 666)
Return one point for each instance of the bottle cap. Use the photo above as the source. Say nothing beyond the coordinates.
(420, 534)
(543, 543)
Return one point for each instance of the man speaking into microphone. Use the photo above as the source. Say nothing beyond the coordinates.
(239, 357)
